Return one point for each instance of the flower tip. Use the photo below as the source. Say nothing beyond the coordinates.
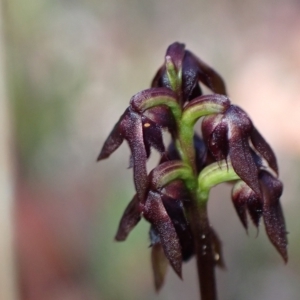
(285, 258)
(120, 237)
(158, 286)
(169, 59)
(102, 156)
(178, 270)
(283, 253)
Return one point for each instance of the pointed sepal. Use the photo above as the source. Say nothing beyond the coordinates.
(214, 130)
(207, 75)
(130, 218)
(113, 141)
(155, 212)
(264, 149)
(159, 265)
(132, 129)
(272, 213)
(152, 136)
(174, 208)
(255, 207)
(239, 129)
(240, 194)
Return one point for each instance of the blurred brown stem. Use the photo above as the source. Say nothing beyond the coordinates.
(203, 249)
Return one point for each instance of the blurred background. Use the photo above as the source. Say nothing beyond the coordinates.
(68, 70)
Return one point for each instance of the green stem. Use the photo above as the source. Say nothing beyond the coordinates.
(193, 111)
(185, 145)
(170, 171)
(175, 78)
(212, 175)
(152, 97)
(197, 216)
(199, 187)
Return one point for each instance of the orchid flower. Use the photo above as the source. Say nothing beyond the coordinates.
(173, 196)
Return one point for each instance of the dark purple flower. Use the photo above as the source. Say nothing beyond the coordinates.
(193, 71)
(272, 212)
(245, 199)
(169, 196)
(267, 206)
(130, 218)
(130, 128)
(141, 131)
(200, 150)
(228, 135)
(155, 212)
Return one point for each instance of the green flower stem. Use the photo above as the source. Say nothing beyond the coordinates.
(197, 212)
(166, 100)
(196, 209)
(203, 106)
(196, 109)
(212, 175)
(197, 216)
(185, 144)
(171, 171)
(173, 76)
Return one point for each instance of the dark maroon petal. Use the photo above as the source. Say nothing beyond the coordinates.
(240, 193)
(176, 52)
(113, 141)
(159, 265)
(190, 76)
(161, 116)
(190, 86)
(240, 153)
(218, 144)
(214, 130)
(157, 81)
(152, 136)
(255, 207)
(209, 76)
(201, 152)
(217, 249)
(264, 149)
(195, 92)
(208, 125)
(174, 208)
(129, 220)
(243, 163)
(177, 190)
(132, 130)
(272, 212)
(156, 214)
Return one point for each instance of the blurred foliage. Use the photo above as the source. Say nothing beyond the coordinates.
(42, 83)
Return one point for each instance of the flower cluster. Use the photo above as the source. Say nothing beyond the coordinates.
(230, 149)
